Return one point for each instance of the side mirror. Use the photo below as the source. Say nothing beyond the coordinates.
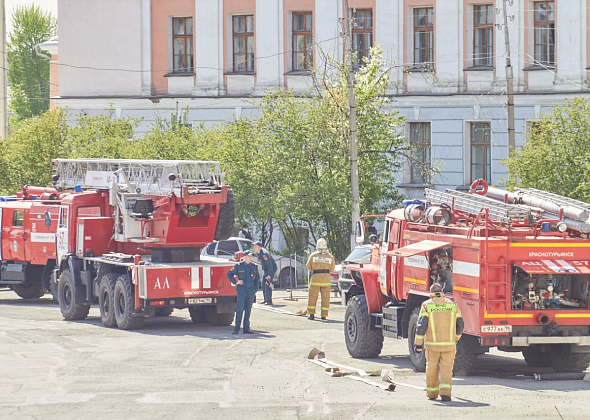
(359, 232)
(47, 218)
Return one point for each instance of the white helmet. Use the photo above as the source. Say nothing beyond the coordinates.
(321, 244)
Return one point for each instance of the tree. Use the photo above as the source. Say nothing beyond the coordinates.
(556, 155)
(28, 74)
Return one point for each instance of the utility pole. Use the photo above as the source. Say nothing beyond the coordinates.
(354, 167)
(509, 84)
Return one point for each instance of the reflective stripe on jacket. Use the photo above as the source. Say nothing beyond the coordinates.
(440, 325)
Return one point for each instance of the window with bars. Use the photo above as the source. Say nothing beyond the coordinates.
(481, 153)
(483, 35)
(362, 35)
(423, 37)
(243, 43)
(544, 17)
(182, 45)
(421, 148)
(302, 46)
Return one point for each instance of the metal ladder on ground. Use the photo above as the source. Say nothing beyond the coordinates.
(474, 203)
(151, 177)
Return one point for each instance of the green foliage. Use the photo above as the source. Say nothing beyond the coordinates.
(28, 74)
(556, 156)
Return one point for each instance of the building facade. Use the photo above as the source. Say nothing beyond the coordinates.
(144, 58)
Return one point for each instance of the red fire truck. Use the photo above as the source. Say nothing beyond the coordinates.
(517, 265)
(125, 234)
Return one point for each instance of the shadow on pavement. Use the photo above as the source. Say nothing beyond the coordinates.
(460, 403)
(47, 301)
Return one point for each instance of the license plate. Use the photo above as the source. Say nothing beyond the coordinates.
(496, 328)
(199, 300)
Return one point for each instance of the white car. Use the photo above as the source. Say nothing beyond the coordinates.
(290, 271)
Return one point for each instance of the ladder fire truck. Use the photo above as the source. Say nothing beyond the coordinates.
(517, 264)
(127, 235)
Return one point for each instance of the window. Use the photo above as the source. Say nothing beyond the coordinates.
(243, 38)
(481, 156)
(302, 41)
(483, 35)
(182, 44)
(17, 218)
(211, 248)
(362, 35)
(423, 37)
(545, 33)
(227, 248)
(420, 143)
(94, 211)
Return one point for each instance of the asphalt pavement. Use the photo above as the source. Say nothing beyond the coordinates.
(174, 369)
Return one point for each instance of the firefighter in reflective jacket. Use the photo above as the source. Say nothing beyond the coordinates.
(320, 264)
(440, 326)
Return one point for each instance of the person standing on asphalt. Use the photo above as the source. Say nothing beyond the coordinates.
(439, 327)
(269, 268)
(247, 281)
(320, 263)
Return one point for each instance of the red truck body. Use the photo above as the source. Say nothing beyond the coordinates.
(133, 248)
(519, 287)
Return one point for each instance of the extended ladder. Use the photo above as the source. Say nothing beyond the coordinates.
(474, 203)
(151, 177)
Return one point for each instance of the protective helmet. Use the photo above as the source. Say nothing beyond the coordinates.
(436, 288)
(321, 244)
(373, 238)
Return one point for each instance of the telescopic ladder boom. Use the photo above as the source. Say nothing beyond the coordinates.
(150, 177)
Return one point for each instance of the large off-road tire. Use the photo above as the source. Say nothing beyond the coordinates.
(418, 359)
(124, 302)
(227, 218)
(32, 290)
(213, 318)
(563, 360)
(106, 299)
(197, 314)
(287, 279)
(536, 358)
(465, 361)
(361, 341)
(164, 311)
(70, 308)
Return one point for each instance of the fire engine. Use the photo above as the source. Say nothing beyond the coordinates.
(517, 264)
(125, 234)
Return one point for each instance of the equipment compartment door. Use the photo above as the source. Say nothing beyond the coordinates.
(61, 236)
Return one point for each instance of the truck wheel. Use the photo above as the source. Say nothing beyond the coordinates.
(124, 302)
(563, 360)
(197, 315)
(106, 299)
(164, 311)
(287, 278)
(70, 309)
(536, 358)
(214, 318)
(361, 341)
(29, 290)
(418, 359)
(465, 361)
(227, 218)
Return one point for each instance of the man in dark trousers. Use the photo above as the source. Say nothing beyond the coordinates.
(247, 281)
(269, 268)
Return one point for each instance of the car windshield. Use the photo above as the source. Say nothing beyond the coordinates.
(246, 245)
(359, 254)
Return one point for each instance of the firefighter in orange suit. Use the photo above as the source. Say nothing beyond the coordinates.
(320, 264)
(440, 326)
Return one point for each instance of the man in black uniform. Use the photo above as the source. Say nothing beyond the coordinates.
(247, 281)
